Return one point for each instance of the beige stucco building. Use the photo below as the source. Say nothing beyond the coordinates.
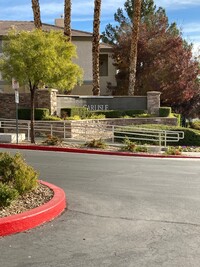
(83, 42)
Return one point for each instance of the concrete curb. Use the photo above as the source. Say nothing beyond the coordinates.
(92, 151)
(35, 217)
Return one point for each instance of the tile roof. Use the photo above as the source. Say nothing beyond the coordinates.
(5, 25)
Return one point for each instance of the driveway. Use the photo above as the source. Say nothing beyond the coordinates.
(123, 211)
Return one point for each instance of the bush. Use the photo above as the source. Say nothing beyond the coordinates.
(16, 172)
(94, 116)
(133, 147)
(96, 144)
(52, 140)
(52, 118)
(118, 113)
(74, 118)
(129, 145)
(134, 113)
(178, 116)
(7, 195)
(25, 113)
(82, 112)
(165, 111)
(195, 125)
(173, 151)
(108, 113)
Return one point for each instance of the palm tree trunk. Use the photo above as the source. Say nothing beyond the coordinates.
(36, 14)
(67, 19)
(95, 47)
(134, 42)
(38, 25)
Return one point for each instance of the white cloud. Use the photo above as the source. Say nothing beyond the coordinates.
(177, 4)
(196, 49)
(193, 27)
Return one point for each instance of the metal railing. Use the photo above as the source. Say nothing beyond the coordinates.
(160, 137)
(83, 132)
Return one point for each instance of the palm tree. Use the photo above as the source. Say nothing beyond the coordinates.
(36, 14)
(38, 25)
(67, 19)
(95, 47)
(134, 42)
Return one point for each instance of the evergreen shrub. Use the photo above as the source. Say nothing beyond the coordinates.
(25, 113)
(7, 195)
(165, 111)
(14, 171)
(119, 113)
(82, 112)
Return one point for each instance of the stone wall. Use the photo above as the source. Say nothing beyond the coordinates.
(103, 128)
(8, 106)
(44, 98)
(84, 129)
(153, 102)
(48, 98)
(102, 102)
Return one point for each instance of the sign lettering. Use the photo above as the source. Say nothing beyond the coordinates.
(97, 107)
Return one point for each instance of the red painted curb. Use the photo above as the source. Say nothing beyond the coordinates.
(91, 151)
(35, 217)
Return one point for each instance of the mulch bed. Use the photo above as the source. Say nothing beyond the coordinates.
(41, 195)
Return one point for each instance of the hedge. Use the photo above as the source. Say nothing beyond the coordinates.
(118, 113)
(25, 113)
(165, 111)
(82, 112)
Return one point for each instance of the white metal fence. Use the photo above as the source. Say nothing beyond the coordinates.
(84, 132)
(159, 137)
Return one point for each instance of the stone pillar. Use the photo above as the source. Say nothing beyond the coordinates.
(47, 98)
(153, 102)
(53, 109)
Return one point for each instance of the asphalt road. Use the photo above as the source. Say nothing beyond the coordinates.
(123, 211)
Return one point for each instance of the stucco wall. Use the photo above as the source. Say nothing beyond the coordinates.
(84, 89)
(110, 78)
(84, 60)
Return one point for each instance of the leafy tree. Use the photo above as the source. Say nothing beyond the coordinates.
(190, 108)
(38, 57)
(165, 62)
(124, 21)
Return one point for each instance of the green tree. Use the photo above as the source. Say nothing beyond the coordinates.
(164, 59)
(124, 20)
(38, 57)
(165, 63)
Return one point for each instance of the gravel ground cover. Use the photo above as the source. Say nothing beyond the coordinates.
(41, 195)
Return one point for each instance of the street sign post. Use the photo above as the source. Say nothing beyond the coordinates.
(15, 86)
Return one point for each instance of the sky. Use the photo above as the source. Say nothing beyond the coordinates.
(186, 13)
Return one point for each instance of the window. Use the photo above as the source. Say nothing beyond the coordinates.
(103, 65)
